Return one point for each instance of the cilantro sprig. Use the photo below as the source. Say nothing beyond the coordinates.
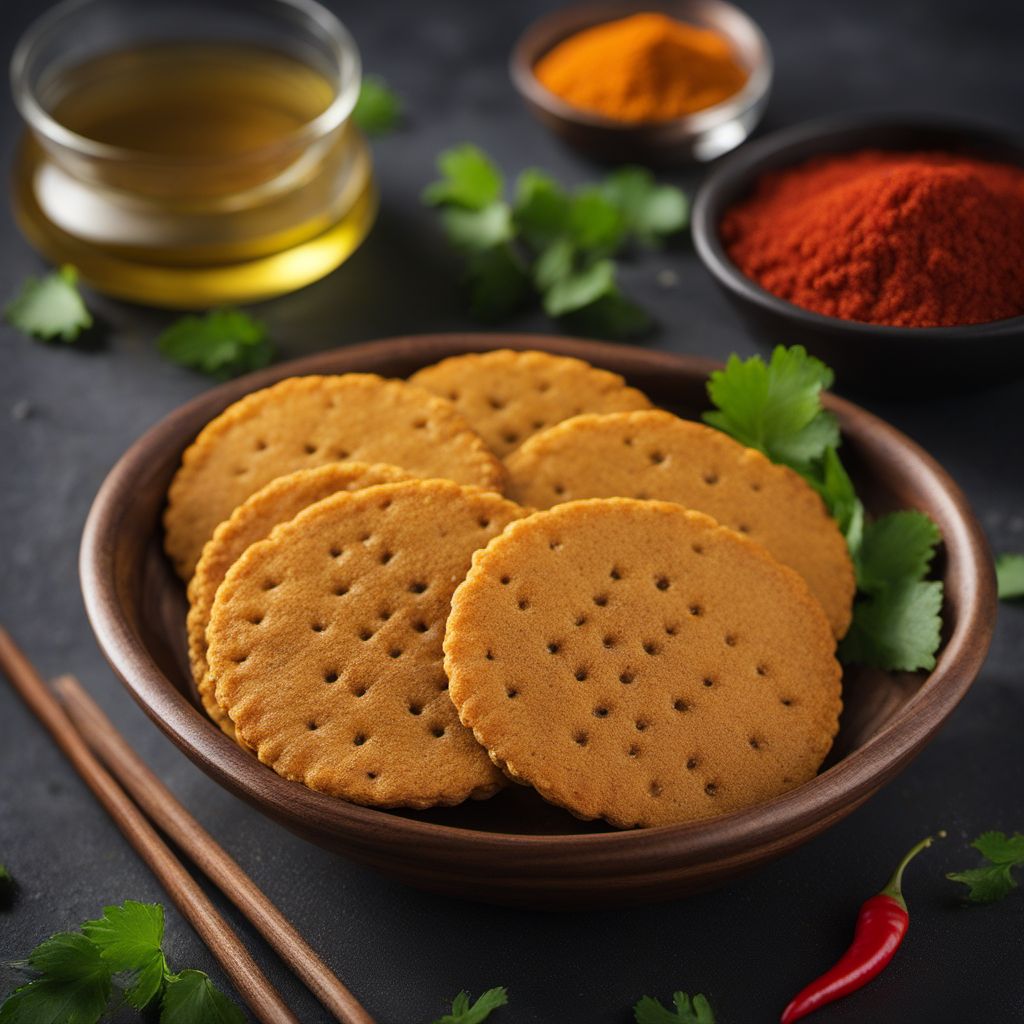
(222, 343)
(994, 879)
(120, 955)
(50, 307)
(465, 1012)
(1010, 576)
(549, 242)
(685, 1010)
(776, 408)
(378, 109)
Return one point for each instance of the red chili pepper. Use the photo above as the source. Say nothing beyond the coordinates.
(881, 925)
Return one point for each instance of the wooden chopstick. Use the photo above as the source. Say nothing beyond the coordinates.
(161, 806)
(259, 995)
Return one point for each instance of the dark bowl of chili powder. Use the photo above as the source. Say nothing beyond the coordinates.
(893, 248)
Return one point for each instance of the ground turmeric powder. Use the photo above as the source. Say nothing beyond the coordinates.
(647, 67)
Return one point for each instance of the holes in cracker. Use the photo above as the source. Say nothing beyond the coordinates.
(626, 677)
(671, 629)
(489, 655)
(755, 486)
(543, 385)
(385, 504)
(615, 574)
(483, 522)
(359, 739)
(359, 690)
(538, 425)
(608, 642)
(506, 580)
(453, 396)
(580, 738)
(260, 445)
(654, 788)
(522, 604)
(309, 449)
(743, 528)
(708, 681)
(680, 705)
(696, 611)
(602, 711)
(650, 647)
(395, 652)
(365, 634)
(692, 763)
(341, 453)
(730, 639)
(420, 626)
(330, 676)
(335, 551)
(580, 620)
(419, 424)
(641, 724)
(697, 549)
(270, 584)
(657, 457)
(511, 692)
(634, 750)
(711, 788)
(555, 545)
(711, 478)
(495, 403)
(581, 674)
(662, 582)
(511, 438)
(559, 489)
(761, 670)
(240, 659)
(385, 557)
(415, 708)
(755, 743)
(601, 600)
(384, 614)
(787, 702)
(553, 647)
(340, 589)
(437, 731)
(371, 776)
(312, 726)
(255, 620)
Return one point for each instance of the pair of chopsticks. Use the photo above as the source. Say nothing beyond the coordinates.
(90, 741)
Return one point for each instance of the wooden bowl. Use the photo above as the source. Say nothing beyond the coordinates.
(515, 848)
(700, 136)
(872, 357)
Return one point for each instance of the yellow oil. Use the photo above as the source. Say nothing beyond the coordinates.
(205, 177)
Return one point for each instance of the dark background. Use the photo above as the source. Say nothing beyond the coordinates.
(66, 415)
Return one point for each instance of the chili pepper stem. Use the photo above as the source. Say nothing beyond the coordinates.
(894, 887)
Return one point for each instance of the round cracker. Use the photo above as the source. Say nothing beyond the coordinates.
(653, 454)
(325, 643)
(508, 396)
(282, 499)
(637, 662)
(303, 422)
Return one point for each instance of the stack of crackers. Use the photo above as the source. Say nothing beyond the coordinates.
(509, 567)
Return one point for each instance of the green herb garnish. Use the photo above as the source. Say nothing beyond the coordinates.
(464, 1012)
(50, 307)
(550, 242)
(993, 880)
(119, 954)
(776, 408)
(1010, 576)
(686, 1011)
(222, 343)
(378, 109)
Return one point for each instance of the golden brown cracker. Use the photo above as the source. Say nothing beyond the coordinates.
(280, 500)
(303, 422)
(637, 662)
(507, 395)
(325, 643)
(653, 454)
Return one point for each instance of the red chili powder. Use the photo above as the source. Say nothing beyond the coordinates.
(903, 239)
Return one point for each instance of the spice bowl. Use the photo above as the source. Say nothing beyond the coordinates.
(868, 357)
(697, 137)
(515, 848)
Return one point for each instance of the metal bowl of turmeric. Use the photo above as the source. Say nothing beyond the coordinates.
(892, 247)
(675, 82)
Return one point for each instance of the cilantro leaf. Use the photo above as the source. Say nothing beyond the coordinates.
(775, 407)
(649, 211)
(994, 880)
(378, 109)
(554, 264)
(128, 938)
(697, 1011)
(497, 282)
(191, 997)
(895, 548)
(1010, 576)
(836, 488)
(463, 1012)
(222, 343)
(580, 288)
(469, 178)
(50, 307)
(478, 229)
(74, 987)
(593, 223)
(897, 628)
(541, 209)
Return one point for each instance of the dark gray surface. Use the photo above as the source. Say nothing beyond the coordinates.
(750, 946)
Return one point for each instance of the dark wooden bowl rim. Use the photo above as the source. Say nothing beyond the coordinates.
(848, 782)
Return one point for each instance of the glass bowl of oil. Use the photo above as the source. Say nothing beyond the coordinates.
(191, 153)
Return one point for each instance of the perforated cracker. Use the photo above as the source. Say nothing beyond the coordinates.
(325, 644)
(280, 500)
(637, 662)
(508, 396)
(653, 454)
(304, 422)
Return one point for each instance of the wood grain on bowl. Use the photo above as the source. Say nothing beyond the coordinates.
(515, 848)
